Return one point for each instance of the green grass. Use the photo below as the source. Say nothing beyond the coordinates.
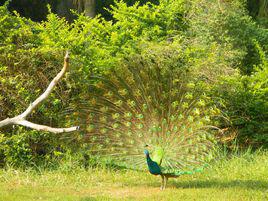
(243, 177)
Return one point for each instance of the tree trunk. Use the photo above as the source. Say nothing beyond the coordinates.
(90, 8)
(263, 9)
(63, 9)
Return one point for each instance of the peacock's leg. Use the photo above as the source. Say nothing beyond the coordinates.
(162, 183)
(165, 181)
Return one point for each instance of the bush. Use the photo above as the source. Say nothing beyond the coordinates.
(228, 24)
(245, 101)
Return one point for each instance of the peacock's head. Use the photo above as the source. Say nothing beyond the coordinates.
(146, 152)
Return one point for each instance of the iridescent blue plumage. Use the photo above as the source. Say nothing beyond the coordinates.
(152, 165)
(156, 169)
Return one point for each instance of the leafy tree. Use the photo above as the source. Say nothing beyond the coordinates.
(245, 101)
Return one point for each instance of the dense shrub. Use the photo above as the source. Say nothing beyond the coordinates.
(103, 7)
(245, 102)
(242, 94)
(228, 24)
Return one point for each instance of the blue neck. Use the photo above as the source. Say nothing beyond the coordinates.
(152, 166)
(148, 158)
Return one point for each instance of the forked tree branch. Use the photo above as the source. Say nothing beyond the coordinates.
(21, 119)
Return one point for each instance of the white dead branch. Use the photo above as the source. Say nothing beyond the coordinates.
(21, 119)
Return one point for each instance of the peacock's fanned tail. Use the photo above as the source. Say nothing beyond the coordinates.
(135, 106)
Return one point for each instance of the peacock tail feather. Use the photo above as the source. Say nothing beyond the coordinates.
(135, 106)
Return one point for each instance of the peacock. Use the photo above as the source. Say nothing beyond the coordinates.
(146, 108)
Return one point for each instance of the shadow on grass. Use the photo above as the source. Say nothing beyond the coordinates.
(248, 184)
(98, 198)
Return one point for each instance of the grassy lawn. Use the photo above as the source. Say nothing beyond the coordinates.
(242, 178)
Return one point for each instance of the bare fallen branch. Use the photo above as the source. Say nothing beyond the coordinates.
(46, 128)
(21, 119)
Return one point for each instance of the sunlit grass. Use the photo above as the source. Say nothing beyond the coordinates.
(243, 177)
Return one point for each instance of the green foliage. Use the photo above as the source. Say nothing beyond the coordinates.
(150, 22)
(29, 148)
(103, 7)
(228, 24)
(245, 102)
(21, 149)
